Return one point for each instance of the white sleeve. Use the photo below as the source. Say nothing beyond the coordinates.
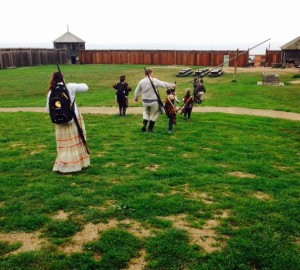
(78, 87)
(47, 104)
(73, 88)
(162, 83)
(137, 90)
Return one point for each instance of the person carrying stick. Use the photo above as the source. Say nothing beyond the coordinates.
(188, 100)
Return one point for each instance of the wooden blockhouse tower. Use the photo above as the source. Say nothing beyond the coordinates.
(291, 53)
(72, 44)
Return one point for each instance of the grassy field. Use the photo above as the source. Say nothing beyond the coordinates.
(26, 87)
(221, 192)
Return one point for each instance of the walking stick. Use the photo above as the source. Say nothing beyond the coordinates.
(184, 104)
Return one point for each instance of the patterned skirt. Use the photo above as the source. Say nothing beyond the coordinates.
(72, 155)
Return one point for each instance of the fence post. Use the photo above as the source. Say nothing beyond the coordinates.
(1, 62)
(235, 63)
(11, 59)
(39, 57)
(175, 57)
(30, 57)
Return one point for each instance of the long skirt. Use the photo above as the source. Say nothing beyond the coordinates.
(71, 152)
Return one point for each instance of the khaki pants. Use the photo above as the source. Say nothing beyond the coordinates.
(151, 113)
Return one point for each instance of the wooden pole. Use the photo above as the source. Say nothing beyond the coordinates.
(235, 64)
(30, 57)
(239, 55)
(1, 62)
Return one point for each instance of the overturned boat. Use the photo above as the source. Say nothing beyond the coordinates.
(184, 72)
(201, 72)
(215, 73)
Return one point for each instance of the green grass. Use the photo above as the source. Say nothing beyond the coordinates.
(153, 195)
(26, 87)
(157, 181)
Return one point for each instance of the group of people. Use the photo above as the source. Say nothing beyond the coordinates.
(199, 90)
(72, 153)
(153, 106)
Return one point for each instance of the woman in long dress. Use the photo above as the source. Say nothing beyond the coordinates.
(72, 155)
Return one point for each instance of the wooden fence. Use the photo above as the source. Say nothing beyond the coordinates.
(10, 58)
(163, 57)
(273, 57)
(31, 57)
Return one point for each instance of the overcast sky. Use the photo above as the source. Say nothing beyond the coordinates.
(156, 24)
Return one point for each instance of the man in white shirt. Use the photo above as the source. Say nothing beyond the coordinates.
(148, 88)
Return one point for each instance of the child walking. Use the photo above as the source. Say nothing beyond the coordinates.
(122, 92)
(170, 109)
(188, 100)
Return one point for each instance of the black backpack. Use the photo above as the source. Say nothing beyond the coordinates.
(60, 105)
(121, 92)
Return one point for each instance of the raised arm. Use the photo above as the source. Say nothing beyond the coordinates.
(163, 84)
(78, 87)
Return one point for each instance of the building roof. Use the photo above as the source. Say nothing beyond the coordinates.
(292, 45)
(68, 37)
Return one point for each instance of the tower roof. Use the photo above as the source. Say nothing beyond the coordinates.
(292, 45)
(68, 37)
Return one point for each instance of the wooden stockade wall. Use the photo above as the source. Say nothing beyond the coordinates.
(19, 57)
(163, 57)
(10, 58)
(273, 57)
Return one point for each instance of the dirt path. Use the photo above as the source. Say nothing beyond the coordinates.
(202, 109)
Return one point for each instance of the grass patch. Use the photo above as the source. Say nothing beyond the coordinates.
(116, 247)
(6, 248)
(220, 193)
(171, 249)
(27, 86)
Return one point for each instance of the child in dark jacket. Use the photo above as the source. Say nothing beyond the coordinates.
(122, 91)
(188, 100)
(170, 109)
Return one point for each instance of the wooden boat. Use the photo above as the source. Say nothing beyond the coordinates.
(184, 72)
(215, 73)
